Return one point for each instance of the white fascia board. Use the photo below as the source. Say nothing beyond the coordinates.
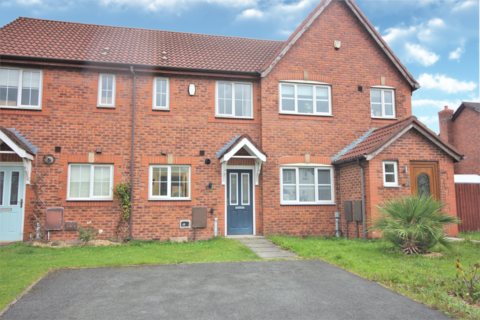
(22, 153)
(251, 149)
(467, 178)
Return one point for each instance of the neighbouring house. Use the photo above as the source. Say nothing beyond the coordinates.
(271, 137)
(461, 129)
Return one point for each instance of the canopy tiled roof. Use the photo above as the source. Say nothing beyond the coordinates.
(381, 137)
(37, 38)
(19, 140)
(232, 143)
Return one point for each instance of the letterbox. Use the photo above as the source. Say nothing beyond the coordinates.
(357, 210)
(199, 218)
(348, 211)
(54, 219)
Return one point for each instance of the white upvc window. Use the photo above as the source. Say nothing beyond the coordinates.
(21, 88)
(382, 103)
(90, 182)
(390, 174)
(234, 99)
(169, 182)
(305, 99)
(106, 90)
(161, 93)
(305, 185)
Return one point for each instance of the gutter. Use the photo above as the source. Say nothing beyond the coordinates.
(132, 161)
(362, 173)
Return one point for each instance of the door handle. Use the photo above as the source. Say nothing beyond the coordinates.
(21, 203)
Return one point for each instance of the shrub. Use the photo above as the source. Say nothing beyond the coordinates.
(471, 279)
(413, 223)
(88, 234)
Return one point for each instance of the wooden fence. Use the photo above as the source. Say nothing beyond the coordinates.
(468, 206)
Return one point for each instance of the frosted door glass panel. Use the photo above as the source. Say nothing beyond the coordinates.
(245, 188)
(2, 182)
(14, 188)
(233, 189)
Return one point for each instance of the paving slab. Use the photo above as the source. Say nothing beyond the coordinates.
(289, 289)
(266, 249)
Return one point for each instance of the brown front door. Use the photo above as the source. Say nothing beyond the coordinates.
(424, 178)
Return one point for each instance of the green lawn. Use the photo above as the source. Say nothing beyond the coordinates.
(469, 235)
(21, 264)
(428, 280)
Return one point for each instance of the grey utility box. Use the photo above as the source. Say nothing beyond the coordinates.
(357, 210)
(348, 211)
(199, 218)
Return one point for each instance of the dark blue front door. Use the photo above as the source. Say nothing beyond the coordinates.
(239, 202)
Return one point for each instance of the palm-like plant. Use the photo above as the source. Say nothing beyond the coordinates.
(413, 223)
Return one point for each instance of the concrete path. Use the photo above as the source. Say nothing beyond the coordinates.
(266, 249)
(288, 289)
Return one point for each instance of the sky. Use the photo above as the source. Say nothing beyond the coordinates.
(437, 40)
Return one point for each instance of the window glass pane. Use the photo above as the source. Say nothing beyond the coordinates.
(14, 188)
(245, 188)
(388, 96)
(185, 182)
(155, 188)
(101, 181)
(161, 93)
(389, 167)
(243, 103)
(322, 93)
(159, 181)
(376, 96)
(305, 99)
(289, 193)
(225, 98)
(322, 106)
(8, 87)
(79, 181)
(2, 180)
(388, 109)
(85, 189)
(306, 176)
(288, 104)
(233, 189)
(109, 83)
(180, 182)
(376, 110)
(423, 184)
(289, 176)
(324, 193)
(390, 178)
(323, 176)
(288, 91)
(307, 193)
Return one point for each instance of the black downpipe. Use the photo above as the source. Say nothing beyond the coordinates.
(132, 161)
(363, 199)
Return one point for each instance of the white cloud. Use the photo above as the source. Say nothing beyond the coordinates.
(395, 34)
(415, 52)
(464, 5)
(250, 14)
(446, 84)
(435, 104)
(455, 55)
(428, 119)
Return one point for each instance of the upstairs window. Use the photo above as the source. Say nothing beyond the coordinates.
(305, 99)
(383, 103)
(106, 91)
(161, 91)
(234, 99)
(20, 88)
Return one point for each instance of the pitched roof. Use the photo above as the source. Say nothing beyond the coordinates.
(37, 38)
(384, 136)
(236, 140)
(19, 140)
(361, 17)
(471, 105)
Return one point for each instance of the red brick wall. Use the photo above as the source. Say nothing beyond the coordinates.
(412, 146)
(359, 62)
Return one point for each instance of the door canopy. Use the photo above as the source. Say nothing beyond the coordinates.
(20, 146)
(230, 150)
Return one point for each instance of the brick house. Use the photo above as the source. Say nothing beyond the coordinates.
(271, 137)
(462, 130)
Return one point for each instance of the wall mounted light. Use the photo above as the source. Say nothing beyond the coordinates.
(209, 186)
(337, 44)
(191, 89)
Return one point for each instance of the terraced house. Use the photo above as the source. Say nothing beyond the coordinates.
(269, 137)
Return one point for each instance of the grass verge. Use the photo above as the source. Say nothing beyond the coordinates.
(427, 280)
(22, 264)
(469, 235)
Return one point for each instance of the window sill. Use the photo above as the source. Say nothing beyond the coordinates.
(391, 186)
(105, 107)
(89, 200)
(308, 204)
(383, 118)
(170, 200)
(158, 109)
(306, 114)
(24, 108)
(233, 118)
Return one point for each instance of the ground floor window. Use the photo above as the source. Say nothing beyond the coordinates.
(390, 176)
(304, 185)
(169, 182)
(90, 182)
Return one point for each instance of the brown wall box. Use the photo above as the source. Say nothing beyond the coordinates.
(199, 219)
(71, 226)
(54, 219)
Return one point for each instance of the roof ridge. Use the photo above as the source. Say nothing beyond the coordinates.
(136, 28)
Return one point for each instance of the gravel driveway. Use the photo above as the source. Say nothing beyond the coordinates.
(298, 289)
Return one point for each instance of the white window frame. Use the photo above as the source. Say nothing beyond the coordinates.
(383, 90)
(232, 115)
(155, 107)
(297, 202)
(114, 91)
(169, 183)
(248, 189)
(395, 174)
(295, 84)
(19, 93)
(91, 197)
